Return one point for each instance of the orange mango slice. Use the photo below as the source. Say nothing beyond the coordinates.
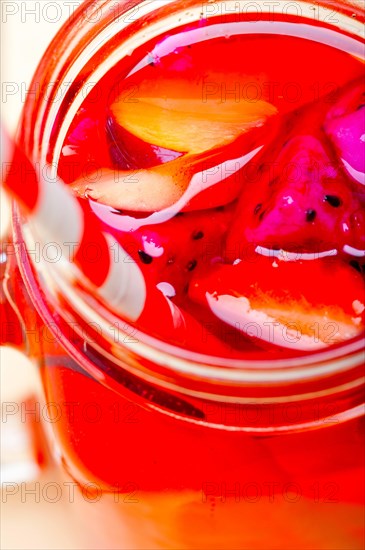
(189, 125)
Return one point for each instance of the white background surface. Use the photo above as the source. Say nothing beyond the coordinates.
(27, 27)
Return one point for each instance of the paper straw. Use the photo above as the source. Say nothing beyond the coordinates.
(57, 216)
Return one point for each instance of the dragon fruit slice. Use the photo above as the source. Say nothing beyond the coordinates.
(345, 127)
(301, 203)
(169, 253)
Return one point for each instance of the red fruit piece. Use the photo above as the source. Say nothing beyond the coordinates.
(290, 304)
(345, 127)
(300, 201)
(169, 253)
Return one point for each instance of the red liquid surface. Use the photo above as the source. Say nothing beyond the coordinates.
(197, 105)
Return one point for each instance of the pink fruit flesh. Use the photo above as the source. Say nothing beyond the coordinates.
(345, 127)
(301, 202)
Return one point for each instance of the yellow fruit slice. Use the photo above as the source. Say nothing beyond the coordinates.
(142, 190)
(189, 125)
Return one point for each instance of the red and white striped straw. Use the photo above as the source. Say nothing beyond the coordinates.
(57, 216)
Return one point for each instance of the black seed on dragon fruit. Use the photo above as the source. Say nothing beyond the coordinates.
(305, 204)
(333, 200)
(145, 258)
(357, 265)
(197, 235)
(192, 265)
(262, 215)
(310, 215)
(257, 208)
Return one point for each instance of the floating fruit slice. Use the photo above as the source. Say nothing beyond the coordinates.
(345, 126)
(187, 124)
(299, 201)
(212, 178)
(290, 304)
(135, 190)
(193, 90)
(171, 251)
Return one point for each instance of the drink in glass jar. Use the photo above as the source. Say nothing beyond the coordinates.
(223, 153)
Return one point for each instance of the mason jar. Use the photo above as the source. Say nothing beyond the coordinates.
(160, 447)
